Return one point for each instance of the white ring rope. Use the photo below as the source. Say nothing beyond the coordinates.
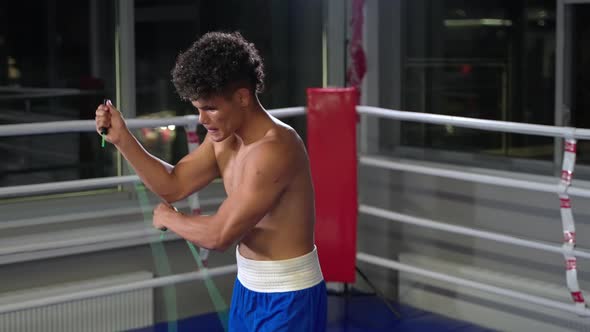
(554, 188)
(111, 290)
(510, 127)
(468, 231)
(56, 127)
(568, 223)
(568, 134)
(492, 125)
(394, 265)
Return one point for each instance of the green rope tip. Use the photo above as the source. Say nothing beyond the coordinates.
(103, 134)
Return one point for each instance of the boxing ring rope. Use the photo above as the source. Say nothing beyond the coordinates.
(88, 184)
(394, 265)
(468, 231)
(61, 186)
(58, 127)
(470, 176)
(111, 290)
(568, 133)
(76, 126)
(561, 188)
(47, 220)
(55, 187)
(490, 125)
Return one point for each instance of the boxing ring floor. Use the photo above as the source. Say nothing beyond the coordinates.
(356, 312)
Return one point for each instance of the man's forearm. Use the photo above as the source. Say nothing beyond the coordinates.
(203, 231)
(154, 172)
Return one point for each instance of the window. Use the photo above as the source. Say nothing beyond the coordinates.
(290, 47)
(489, 60)
(56, 63)
(580, 86)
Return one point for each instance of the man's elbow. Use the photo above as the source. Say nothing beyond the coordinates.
(221, 248)
(171, 190)
(173, 193)
(222, 242)
(221, 245)
(171, 197)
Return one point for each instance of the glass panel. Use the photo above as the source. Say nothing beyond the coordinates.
(580, 79)
(291, 50)
(56, 63)
(489, 60)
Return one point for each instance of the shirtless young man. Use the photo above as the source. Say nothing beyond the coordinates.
(269, 210)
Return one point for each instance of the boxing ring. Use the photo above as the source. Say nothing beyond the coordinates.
(561, 188)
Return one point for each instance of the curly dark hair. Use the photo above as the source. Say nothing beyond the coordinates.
(216, 64)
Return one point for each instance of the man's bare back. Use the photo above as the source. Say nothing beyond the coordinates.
(286, 231)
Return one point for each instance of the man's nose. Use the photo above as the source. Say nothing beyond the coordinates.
(203, 119)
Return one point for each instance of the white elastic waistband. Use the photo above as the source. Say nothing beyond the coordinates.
(280, 276)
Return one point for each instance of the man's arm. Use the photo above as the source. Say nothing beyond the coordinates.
(172, 183)
(267, 172)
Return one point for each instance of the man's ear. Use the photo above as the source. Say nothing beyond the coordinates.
(243, 97)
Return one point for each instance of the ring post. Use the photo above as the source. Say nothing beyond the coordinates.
(331, 138)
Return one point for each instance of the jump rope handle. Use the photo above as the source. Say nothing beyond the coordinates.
(103, 131)
(163, 229)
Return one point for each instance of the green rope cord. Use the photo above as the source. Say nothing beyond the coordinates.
(160, 260)
(163, 268)
(218, 303)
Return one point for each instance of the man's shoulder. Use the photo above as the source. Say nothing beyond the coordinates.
(280, 146)
(270, 147)
(280, 139)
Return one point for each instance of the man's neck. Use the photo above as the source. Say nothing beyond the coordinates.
(255, 125)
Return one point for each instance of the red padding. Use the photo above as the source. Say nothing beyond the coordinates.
(331, 138)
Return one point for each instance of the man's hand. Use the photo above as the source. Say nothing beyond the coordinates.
(108, 117)
(162, 215)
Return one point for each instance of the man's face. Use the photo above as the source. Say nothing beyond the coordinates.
(220, 115)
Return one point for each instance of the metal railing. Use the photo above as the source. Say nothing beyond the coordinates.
(559, 188)
(79, 185)
(90, 126)
(397, 266)
(490, 125)
(151, 283)
(70, 126)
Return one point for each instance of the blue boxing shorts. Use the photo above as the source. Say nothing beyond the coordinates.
(285, 295)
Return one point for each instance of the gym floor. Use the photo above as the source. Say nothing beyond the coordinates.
(355, 313)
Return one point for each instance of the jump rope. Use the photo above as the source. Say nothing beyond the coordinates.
(162, 263)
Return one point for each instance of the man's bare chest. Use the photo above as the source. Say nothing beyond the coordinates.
(231, 167)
